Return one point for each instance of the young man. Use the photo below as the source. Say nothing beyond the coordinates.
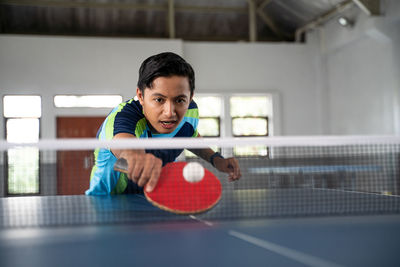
(165, 109)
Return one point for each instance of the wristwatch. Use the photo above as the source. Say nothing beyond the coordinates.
(216, 154)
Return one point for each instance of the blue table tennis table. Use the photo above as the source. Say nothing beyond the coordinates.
(270, 228)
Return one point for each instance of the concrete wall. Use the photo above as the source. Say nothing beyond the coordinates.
(359, 72)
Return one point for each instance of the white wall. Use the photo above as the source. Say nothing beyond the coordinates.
(281, 69)
(69, 65)
(360, 69)
(342, 81)
(65, 65)
(361, 88)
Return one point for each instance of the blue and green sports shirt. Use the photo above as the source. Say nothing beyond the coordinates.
(128, 117)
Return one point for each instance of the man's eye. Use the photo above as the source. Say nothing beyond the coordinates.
(181, 100)
(160, 100)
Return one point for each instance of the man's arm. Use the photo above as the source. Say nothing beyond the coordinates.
(143, 168)
(228, 165)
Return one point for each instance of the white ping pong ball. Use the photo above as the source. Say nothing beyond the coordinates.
(193, 172)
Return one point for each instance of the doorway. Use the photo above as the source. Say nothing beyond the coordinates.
(74, 167)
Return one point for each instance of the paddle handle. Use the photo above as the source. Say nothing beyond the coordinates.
(121, 165)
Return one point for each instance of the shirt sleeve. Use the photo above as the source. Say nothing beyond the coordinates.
(127, 118)
(190, 122)
(193, 111)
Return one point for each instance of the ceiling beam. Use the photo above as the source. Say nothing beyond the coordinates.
(134, 6)
(171, 19)
(287, 7)
(370, 7)
(252, 21)
(86, 4)
(267, 20)
(322, 19)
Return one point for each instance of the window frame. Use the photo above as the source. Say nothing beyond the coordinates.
(270, 113)
(6, 156)
(6, 163)
(218, 118)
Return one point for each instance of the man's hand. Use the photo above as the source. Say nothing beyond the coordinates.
(230, 166)
(143, 168)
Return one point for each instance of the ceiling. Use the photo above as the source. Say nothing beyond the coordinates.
(197, 20)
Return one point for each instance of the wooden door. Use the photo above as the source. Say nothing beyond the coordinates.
(74, 167)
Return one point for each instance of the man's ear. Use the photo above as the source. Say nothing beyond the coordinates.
(140, 96)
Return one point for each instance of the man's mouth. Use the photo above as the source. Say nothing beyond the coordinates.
(168, 124)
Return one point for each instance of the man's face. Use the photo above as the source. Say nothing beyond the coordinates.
(165, 104)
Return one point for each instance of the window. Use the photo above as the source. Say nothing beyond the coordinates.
(249, 116)
(22, 115)
(210, 108)
(19, 106)
(87, 101)
(209, 113)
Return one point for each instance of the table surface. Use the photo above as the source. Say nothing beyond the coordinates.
(247, 228)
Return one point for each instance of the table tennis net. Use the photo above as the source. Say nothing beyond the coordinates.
(44, 184)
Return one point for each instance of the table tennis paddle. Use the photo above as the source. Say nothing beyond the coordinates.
(173, 193)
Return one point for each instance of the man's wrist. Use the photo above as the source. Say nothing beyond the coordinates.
(213, 156)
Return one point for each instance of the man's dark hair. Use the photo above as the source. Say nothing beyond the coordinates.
(166, 64)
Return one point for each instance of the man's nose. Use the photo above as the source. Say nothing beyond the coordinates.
(169, 109)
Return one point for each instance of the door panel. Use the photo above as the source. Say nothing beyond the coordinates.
(74, 167)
